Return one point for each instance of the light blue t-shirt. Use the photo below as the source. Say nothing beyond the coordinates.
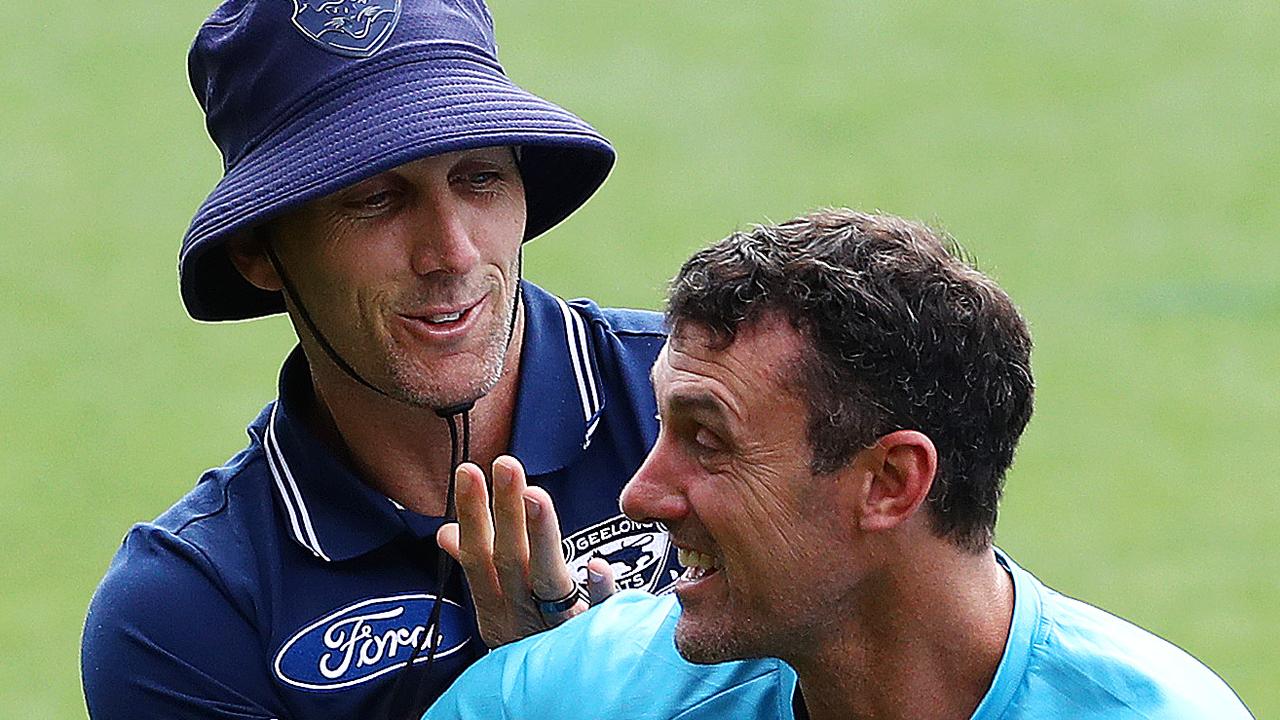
(1064, 659)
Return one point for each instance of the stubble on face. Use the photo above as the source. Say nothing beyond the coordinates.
(710, 643)
(759, 507)
(412, 379)
(379, 259)
(790, 623)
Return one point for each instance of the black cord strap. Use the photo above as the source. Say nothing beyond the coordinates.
(311, 324)
(407, 701)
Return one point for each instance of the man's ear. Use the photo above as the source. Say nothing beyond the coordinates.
(248, 252)
(900, 468)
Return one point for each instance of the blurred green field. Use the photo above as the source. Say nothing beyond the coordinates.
(1114, 164)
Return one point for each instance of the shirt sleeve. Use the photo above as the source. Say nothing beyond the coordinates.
(164, 640)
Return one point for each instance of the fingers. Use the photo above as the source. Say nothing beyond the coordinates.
(510, 540)
(475, 527)
(549, 576)
(510, 551)
(600, 583)
(470, 540)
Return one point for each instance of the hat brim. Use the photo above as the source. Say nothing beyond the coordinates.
(415, 104)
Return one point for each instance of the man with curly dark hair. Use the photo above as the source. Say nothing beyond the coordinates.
(840, 398)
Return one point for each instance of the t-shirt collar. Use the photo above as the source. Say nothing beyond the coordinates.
(1026, 629)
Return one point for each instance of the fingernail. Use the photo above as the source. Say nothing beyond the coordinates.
(532, 508)
(595, 577)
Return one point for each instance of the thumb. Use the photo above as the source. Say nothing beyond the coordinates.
(447, 539)
(600, 584)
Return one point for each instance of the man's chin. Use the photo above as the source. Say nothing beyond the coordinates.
(703, 645)
(438, 398)
(447, 383)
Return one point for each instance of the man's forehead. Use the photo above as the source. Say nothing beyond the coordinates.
(768, 349)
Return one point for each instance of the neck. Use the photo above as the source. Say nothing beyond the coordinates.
(926, 646)
(401, 450)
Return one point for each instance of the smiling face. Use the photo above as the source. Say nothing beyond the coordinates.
(764, 538)
(412, 274)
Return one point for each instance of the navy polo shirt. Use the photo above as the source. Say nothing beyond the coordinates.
(282, 586)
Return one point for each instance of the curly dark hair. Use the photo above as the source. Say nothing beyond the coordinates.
(906, 334)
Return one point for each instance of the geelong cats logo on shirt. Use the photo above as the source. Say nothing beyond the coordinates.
(370, 638)
(356, 28)
(636, 551)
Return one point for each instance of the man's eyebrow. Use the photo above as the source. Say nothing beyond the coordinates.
(709, 408)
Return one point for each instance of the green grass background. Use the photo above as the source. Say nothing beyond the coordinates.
(1114, 164)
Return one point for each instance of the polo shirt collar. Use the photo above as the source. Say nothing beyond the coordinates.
(335, 516)
(328, 510)
(561, 398)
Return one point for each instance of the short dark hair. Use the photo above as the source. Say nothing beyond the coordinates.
(905, 334)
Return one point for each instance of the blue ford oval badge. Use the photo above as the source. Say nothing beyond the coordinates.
(367, 639)
(349, 27)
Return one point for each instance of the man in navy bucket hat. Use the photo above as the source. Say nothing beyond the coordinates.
(381, 173)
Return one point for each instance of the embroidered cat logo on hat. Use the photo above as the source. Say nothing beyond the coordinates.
(356, 28)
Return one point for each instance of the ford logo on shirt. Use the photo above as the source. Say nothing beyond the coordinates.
(370, 638)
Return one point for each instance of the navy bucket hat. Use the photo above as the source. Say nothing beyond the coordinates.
(305, 97)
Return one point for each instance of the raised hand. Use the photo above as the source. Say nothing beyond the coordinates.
(512, 556)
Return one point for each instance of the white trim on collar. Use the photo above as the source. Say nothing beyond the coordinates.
(299, 517)
(575, 333)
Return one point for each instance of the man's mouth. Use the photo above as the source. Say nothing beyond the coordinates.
(445, 318)
(698, 565)
(448, 321)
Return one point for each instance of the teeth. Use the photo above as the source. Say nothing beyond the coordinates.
(698, 561)
(446, 318)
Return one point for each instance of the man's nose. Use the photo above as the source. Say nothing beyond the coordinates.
(654, 493)
(443, 236)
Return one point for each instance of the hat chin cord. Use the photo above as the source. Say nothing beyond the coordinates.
(405, 701)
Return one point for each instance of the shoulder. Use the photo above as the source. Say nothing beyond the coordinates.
(173, 617)
(619, 657)
(621, 337)
(197, 544)
(223, 517)
(630, 625)
(1100, 661)
(626, 337)
(624, 322)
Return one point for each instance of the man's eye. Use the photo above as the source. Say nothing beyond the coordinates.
(483, 180)
(372, 202)
(707, 441)
(376, 200)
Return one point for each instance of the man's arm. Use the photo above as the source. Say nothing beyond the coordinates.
(163, 640)
(511, 553)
